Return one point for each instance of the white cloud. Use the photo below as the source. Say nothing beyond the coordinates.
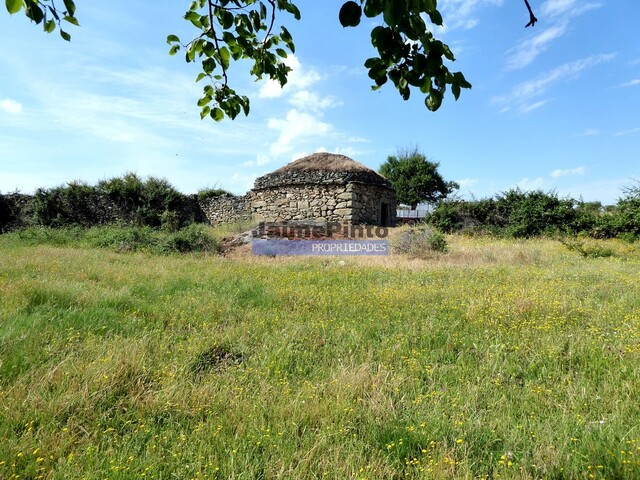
(460, 13)
(528, 184)
(527, 51)
(568, 172)
(306, 100)
(299, 78)
(467, 182)
(10, 106)
(633, 83)
(627, 132)
(524, 93)
(558, 14)
(524, 109)
(296, 126)
(589, 132)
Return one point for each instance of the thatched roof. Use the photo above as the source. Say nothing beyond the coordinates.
(324, 162)
(321, 168)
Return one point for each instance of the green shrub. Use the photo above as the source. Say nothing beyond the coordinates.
(143, 201)
(626, 218)
(170, 221)
(73, 204)
(192, 238)
(7, 216)
(421, 242)
(124, 239)
(207, 193)
(587, 248)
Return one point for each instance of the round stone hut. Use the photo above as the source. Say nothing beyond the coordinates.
(324, 187)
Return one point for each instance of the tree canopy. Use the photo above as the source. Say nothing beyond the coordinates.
(415, 178)
(407, 53)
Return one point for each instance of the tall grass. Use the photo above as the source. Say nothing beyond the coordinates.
(525, 365)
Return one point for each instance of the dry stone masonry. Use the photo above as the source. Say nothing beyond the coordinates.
(320, 187)
(226, 209)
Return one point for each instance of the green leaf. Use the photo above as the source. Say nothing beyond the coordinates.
(224, 58)
(350, 14)
(373, 8)
(217, 114)
(71, 20)
(205, 111)
(174, 49)
(13, 6)
(394, 11)
(33, 11)
(288, 39)
(204, 101)
(70, 6)
(172, 39)
(434, 100)
(49, 26)
(435, 17)
(226, 19)
(200, 76)
(65, 35)
(281, 52)
(455, 89)
(458, 78)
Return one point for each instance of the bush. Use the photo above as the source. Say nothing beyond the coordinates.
(73, 204)
(207, 193)
(421, 242)
(587, 248)
(193, 238)
(7, 216)
(144, 202)
(626, 218)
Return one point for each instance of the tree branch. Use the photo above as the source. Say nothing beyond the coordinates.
(532, 17)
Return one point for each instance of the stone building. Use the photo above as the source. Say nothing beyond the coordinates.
(320, 187)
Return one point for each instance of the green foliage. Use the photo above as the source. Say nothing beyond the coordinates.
(207, 193)
(46, 13)
(7, 213)
(415, 178)
(73, 204)
(153, 202)
(246, 31)
(193, 238)
(587, 248)
(148, 199)
(526, 214)
(534, 213)
(420, 242)
(627, 218)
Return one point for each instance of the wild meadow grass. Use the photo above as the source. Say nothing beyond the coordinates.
(498, 359)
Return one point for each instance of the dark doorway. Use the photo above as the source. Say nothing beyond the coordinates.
(384, 215)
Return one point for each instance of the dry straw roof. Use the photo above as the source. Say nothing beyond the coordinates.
(324, 162)
(321, 169)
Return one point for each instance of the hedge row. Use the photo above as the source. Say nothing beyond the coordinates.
(526, 214)
(128, 200)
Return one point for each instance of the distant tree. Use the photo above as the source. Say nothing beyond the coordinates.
(415, 178)
(407, 53)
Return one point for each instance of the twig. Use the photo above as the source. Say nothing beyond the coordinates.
(532, 17)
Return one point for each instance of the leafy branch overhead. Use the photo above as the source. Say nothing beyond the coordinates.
(407, 53)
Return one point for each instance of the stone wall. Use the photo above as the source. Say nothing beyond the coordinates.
(87, 210)
(315, 177)
(226, 209)
(368, 202)
(351, 203)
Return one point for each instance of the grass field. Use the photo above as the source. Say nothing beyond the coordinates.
(499, 359)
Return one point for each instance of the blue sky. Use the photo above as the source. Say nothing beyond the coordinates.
(554, 107)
